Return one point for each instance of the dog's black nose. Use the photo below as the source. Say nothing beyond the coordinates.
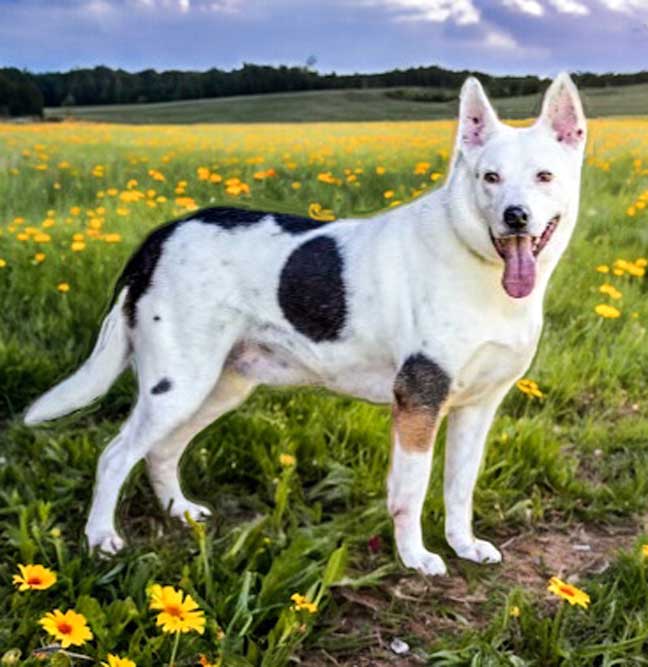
(516, 217)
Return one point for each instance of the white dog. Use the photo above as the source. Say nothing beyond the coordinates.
(434, 307)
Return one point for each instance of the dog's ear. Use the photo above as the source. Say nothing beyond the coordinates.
(477, 118)
(562, 112)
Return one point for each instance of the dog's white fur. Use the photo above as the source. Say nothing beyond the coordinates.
(421, 278)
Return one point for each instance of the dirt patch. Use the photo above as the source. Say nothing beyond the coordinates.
(531, 558)
(419, 610)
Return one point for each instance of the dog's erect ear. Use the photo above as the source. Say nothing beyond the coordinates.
(477, 118)
(562, 112)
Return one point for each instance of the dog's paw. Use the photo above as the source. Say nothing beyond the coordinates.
(425, 562)
(106, 544)
(478, 551)
(195, 511)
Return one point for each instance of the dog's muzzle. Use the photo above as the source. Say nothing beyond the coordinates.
(519, 252)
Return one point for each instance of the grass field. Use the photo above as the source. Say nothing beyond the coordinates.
(340, 105)
(297, 478)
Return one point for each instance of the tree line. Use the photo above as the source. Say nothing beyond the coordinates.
(23, 93)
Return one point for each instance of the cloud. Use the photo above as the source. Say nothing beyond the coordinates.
(570, 7)
(526, 6)
(575, 7)
(627, 6)
(461, 12)
(186, 6)
(505, 36)
(224, 6)
(499, 40)
(98, 7)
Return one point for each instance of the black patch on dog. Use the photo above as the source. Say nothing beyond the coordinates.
(234, 218)
(156, 318)
(226, 217)
(162, 386)
(138, 272)
(421, 383)
(294, 224)
(311, 289)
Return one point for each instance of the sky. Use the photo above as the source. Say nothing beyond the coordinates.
(496, 36)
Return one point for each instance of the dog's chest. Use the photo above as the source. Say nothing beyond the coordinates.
(491, 364)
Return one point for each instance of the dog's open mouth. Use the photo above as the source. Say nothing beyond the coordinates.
(519, 253)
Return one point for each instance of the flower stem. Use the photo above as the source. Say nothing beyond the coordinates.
(557, 625)
(175, 650)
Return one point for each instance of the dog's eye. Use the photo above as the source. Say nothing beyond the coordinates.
(544, 176)
(492, 177)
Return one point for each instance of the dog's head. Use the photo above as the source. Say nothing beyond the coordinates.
(524, 181)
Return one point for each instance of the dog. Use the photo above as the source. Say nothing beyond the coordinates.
(434, 307)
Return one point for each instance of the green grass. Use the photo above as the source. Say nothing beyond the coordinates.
(577, 457)
(339, 105)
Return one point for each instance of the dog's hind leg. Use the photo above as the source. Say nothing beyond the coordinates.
(465, 443)
(173, 387)
(164, 458)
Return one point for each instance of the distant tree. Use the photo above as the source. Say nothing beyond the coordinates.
(21, 92)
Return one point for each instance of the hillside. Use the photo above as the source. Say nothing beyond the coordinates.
(341, 105)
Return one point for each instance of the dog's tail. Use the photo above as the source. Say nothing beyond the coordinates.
(108, 359)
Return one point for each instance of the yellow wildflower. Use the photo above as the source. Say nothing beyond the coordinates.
(568, 592)
(116, 661)
(609, 312)
(287, 460)
(530, 388)
(69, 628)
(34, 577)
(303, 603)
(316, 212)
(610, 290)
(177, 614)
(327, 177)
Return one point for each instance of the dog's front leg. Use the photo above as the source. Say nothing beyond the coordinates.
(420, 392)
(465, 443)
(407, 485)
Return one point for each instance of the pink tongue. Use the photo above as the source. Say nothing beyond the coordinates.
(519, 270)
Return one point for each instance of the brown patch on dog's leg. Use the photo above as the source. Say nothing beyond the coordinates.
(421, 390)
(416, 429)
